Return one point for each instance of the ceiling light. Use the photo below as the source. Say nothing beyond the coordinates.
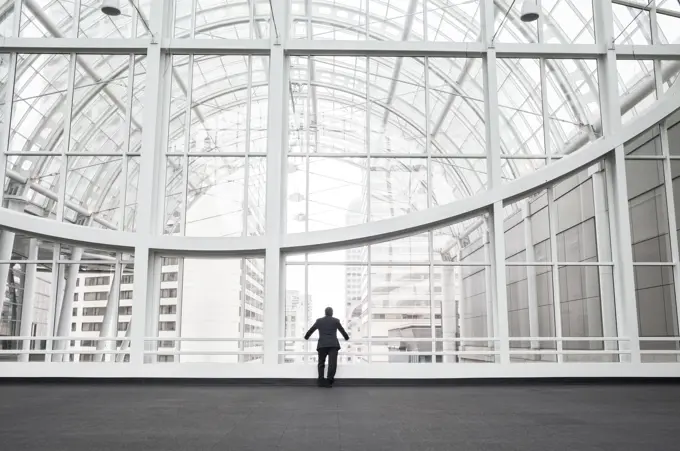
(111, 7)
(530, 11)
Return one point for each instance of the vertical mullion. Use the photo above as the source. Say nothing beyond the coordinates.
(557, 303)
(246, 201)
(672, 221)
(54, 303)
(493, 158)
(369, 309)
(246, 160)
(653, 23)
(658, 82)
(367, 137)
(251, 19)
(367, 19)
(433, 329)
(242, 328)
(16, 24)
(428, 149)
(192, 29)
(149, 190)
(277, 152)
(63, 172)
(126, 142)
(545, 107)
(165, 139)
(180, 300)
(305, 305)
(135, 23)
(307, 134)
(187, 142)
(617, 191)
(541, 22)
(7, 124)
(428, 138)
(369, 294)
(144, 287)
(500, 285)
(425, 34)
(76, 18)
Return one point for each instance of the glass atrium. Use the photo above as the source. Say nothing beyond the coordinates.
(189, 183)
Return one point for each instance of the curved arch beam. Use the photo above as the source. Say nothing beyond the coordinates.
(434, 217)
(353, 235)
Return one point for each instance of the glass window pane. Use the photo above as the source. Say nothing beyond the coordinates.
(648, 211)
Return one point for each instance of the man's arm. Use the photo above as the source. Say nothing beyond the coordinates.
(342, 331)
(311, 331)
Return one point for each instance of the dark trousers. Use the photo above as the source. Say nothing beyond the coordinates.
(332, 354)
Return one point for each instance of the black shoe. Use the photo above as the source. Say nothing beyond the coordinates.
(321, 383)
(329, 384)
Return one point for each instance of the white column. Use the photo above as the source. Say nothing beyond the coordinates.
(152, 166)
(125, 344)
(110, 322)
(29, 297)
(489, 290)
(500, 285)
(58, 275)
(624, 275)
(66, 313)
(672, 226)
(604, 254)
(7, 244)
(448, 310)
(557, 301)
(493, 159)
(462, 304)
(277, 140)
(144, 306)
(531, 275)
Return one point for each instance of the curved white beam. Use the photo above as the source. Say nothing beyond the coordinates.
(355, 235)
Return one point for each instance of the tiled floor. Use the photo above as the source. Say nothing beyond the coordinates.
(184, 417)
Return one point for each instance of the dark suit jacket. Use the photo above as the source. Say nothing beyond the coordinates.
(328, 328)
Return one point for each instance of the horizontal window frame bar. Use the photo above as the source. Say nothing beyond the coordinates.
(224, 353)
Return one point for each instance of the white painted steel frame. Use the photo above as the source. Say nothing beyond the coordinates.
(147, 243)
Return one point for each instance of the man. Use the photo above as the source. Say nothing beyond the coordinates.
(328, 345)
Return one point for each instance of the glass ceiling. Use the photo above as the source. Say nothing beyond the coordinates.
(350, 106)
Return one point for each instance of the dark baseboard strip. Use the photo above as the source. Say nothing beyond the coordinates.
(344, 382)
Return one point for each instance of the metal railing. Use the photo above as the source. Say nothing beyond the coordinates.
(381, 347)
(177, 351)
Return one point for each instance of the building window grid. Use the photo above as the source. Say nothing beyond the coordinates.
(95, 281)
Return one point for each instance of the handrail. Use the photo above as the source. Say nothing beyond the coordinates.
(568, 352)
(395, 339)
(74, 338)
(405, 353)
(228, 339)
(173, 352)
(473, 339)
(62, 351)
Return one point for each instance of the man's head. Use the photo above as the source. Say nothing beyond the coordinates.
(329, 311)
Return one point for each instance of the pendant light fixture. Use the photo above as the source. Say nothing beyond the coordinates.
(111, 7)
(530, 11)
